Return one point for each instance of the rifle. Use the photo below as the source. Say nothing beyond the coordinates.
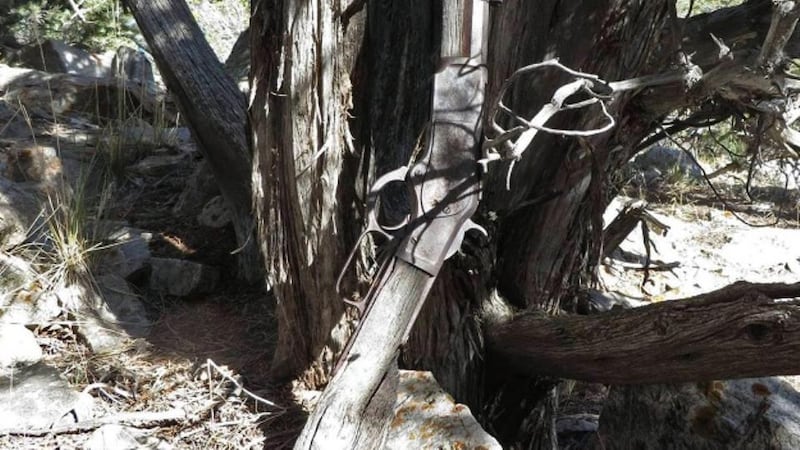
(444, 190)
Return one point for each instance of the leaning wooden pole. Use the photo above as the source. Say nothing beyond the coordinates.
(356, 408)
(212, 105)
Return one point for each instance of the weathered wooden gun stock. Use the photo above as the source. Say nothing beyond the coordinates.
(444, 188)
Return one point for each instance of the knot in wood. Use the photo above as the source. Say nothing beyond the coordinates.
(766, 328)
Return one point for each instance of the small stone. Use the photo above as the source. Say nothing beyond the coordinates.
(215, 213)
(122, 306)
(577, 423)
(181, 278)
(120, 437)
(158, 165)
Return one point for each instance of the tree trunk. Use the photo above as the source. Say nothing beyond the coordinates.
(214, 109)
(304, 172)
(545, 232)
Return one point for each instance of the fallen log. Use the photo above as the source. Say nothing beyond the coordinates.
(740, 331)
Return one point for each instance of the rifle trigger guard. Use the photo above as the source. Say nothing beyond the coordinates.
(468, 225)
(373, 225)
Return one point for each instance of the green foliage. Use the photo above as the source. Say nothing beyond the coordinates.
(95, 25)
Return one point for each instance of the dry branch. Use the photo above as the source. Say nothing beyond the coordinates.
(739, 331)
(139, 419)
(784, 19)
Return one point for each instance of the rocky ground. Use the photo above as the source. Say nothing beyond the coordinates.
(709, 241)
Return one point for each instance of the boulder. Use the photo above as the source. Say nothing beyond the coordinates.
(56, 56)
(18, 348)
(108, 320)
(19, 211)
(38, 397)
(131, 64)
(47, 94)
(237, 65)
(23, 300)
(427, 417)
(181, 278)
(747, 413)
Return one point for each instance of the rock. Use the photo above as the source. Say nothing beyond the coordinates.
(201, 187)
(118, 437)
(158, 165)
(45, 94)
(108, 320)
(19, 211)
(577, 423)
(55, 56)
(23, 300)
(652, 165)
(14, 125)
(29, 162)
(18, 348)
(748, 413)
(576, 431)
(427, 417)
(215, 214)
(126, 250)
(135, 137)
(122, 307)
(37, 397)
(599, 301)
(181, 278)
(133, 65)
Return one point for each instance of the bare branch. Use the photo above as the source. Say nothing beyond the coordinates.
(138, 419)
(784, 19)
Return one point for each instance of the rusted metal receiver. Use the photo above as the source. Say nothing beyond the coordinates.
(444, 183)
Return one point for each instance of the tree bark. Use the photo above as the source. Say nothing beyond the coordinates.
(305, 167)
(740, 331)
(546, 232)
(213, 106)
